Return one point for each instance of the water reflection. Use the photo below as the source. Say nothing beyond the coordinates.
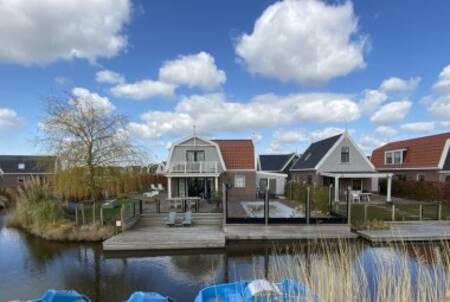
(30, 265)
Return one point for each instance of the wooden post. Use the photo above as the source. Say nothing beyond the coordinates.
(76, 215)
(224, 204)
(393, 212)
(365, 212)
(420, 212)
(349, 207)
(266, 207)
(158, 206)
(141, 208)
(292, 189)
(439, 211)
(83, 217)
(330, 201)
(101, 216)
(307, 209)
(122, 216)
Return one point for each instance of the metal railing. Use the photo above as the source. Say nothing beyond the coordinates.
(193, 167)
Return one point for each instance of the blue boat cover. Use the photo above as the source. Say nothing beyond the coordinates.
(238, 292)
(53, 295)
(147, 297)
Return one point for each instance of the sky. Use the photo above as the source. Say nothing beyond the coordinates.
(283, 73)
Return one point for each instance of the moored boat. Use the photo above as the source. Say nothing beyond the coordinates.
(147, 297)
(53, 295)
(257, 291)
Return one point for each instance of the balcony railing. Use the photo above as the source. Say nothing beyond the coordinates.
(193, 167)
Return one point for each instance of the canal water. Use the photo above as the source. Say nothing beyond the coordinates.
(29, 266)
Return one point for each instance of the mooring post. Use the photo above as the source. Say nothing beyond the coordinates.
(122, 217)
(141, 207)
(393, 212)
(439, 211)
(330, 202)
(76, 215)
(307, 207)
(349, 206)
(266, 207)
(83, 217)
(101, 215)
(365, 212)
(420, 211)
(224, 203)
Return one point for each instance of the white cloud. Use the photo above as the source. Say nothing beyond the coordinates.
(9, 119)
(395, 84)
(442, 86)
(320, 134)
(418, 127)
(40, 32)
(386, 131)
(290, 136)
(368, 143)
(85, 97)
(198, 70)
(144, 89)
(213, 113)
(392, 112)
(109, 77)
(256, 137)
(306, 41)
(372, 100)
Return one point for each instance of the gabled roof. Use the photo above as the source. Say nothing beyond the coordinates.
(238, 154)
(32, 164)
(315, 152)
(275, 162)
(422, 152)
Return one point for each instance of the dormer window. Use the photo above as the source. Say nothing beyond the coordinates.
(21, 166)
(345, 155)
(393, 157)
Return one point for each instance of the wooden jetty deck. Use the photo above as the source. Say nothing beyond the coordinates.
(409, 231)
(288, 232)
(152, 234)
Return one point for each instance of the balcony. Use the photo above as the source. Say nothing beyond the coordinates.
(193, 167)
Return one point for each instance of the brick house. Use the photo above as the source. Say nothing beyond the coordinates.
(16, 169)
(422, 159)
(198, 167)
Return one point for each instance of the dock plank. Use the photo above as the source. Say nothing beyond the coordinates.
(410, 231)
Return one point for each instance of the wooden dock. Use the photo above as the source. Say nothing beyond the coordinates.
(152, 234)
(288, 232)
(409, 231)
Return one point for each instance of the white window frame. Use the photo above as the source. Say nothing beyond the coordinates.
(392, 153)
(239, 181)
(419, 175)
(349, 155)
(21, 166)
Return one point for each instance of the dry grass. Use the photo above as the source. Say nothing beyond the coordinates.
(348, 271)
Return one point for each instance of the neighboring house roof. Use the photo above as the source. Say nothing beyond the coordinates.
(12, 164)
(238, 154)
(421, 152)
(274, 162)
(314, 154)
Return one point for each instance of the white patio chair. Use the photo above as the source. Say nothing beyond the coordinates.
(153, 187)
(355, 196)
(160, 187)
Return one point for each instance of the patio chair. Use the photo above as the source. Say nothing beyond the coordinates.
(355, 196)
(160, 187)
(153, 187)
(187, 218)
(171, 220)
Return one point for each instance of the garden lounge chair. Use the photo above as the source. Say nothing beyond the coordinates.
(153, 187)
(171, 220)
(187, 218)
(160, 187)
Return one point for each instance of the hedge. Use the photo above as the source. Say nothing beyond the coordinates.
(418, 190)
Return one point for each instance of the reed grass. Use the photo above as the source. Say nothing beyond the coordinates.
(352, 271)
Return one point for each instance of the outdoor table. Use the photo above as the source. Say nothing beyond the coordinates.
(365, 196)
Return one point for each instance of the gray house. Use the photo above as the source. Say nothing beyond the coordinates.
(198, 167)
(339, 161)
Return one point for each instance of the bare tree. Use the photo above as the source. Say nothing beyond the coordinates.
(83, 134)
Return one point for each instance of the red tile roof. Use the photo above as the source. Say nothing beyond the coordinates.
(237, 153)
(420, 152)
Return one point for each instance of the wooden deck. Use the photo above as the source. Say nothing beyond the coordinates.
(410, 231)
(288, 232)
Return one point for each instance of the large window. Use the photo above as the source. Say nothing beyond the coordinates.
(239, 181)
(345, 154)
(195, 155)
(394, 157)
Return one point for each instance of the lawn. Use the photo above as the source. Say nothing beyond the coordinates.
(403, 212)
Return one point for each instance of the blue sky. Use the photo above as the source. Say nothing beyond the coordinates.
(285, 73)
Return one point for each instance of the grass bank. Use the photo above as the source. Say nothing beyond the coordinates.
(37, 212)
